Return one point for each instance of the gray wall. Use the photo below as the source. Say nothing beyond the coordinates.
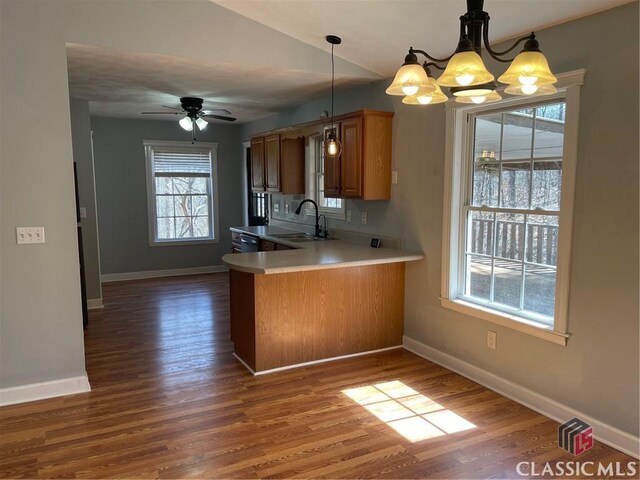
(597, 372)
(40, 313)
(122, 194)
(83, 157)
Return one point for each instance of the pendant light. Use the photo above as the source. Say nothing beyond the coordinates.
(332, 145)
(465, 74)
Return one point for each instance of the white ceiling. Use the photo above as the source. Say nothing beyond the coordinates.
(262, 56)
(121, 83)
(377, 33)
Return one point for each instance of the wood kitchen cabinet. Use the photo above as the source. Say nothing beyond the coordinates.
(277, 164)
(363, 169)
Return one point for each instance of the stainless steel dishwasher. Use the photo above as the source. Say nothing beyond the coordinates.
(248, 243)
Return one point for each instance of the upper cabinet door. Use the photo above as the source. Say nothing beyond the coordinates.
(257, 164)
(272, 163)
(292, 166)
(351, 158)
(331, 168)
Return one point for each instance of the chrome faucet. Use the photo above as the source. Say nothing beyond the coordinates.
(318, 229)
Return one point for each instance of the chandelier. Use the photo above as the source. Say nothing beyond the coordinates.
(465, 74)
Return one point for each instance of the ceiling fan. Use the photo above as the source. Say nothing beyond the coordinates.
(193, 115)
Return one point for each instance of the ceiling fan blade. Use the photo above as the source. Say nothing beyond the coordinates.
(172, 108)
(216, 111)
(220, 117)
(161, 113)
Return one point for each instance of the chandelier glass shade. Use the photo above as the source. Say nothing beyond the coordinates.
(464, 72)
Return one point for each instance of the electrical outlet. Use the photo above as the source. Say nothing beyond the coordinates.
(363, 218)
(348, 215)
(492, 339)
(26, 235)
(276, 207)
(286, 208)
(394, 177)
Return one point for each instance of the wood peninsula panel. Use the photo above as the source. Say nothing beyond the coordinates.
(243, 326)
(311, 315)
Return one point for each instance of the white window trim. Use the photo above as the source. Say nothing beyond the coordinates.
(456, 174)
(151, 190)
(340, 214)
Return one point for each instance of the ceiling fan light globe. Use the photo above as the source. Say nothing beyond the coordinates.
(202, 123)
(186, 123)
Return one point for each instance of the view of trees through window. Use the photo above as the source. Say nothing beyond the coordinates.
(182, 205)
(182, 191)
(512, 216)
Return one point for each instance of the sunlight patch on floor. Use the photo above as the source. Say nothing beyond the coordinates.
(407, 411)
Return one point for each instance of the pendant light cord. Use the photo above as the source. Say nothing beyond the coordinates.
(332, 82)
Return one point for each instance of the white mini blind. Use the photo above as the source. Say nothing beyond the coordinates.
(176, 162)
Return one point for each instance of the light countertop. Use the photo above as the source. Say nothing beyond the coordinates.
(314, 255)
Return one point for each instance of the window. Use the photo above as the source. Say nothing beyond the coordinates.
(510, 178)
(182, 192)
(331, 207)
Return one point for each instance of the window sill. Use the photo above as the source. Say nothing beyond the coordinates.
(183, 243)
(504, 319)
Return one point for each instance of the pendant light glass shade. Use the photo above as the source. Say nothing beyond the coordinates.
(530, 90)
(528, 68)
(408, 80)
(465, 69)
(186, 123)
(332, 146)
(480, 99)
(202, 123)
(427, 95)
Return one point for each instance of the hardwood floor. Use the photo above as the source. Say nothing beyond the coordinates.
(168, 400)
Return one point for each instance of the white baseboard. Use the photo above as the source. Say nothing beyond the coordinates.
(40, 391)
(118, 277)
(93, 303)
(314, 362)
(607, 434)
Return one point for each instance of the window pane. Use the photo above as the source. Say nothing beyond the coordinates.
(164, 185)
(478, 277)
(507, 282)
(481, 238)
(487, 135)
(549, 139)
(164, 206)
(540, 289)
(516, 136)
(199, 205)
(190, 185)
(509, 236)
(182, 205)
(166, 228)
(184, 227)
(514, 187)
(485, 183)
(546, 185)
(201, 226)
(542, 239)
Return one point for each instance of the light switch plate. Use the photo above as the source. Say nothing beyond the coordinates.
(394, 177)
(27, 235)
(83, 212)
(492, 339)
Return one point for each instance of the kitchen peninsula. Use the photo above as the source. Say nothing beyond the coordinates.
(315, 301)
